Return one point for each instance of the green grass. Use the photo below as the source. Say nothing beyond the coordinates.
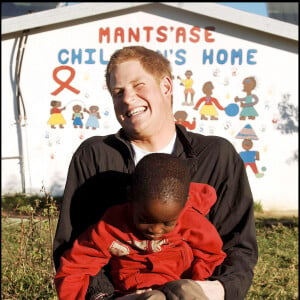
(276, 273)
(27, 268)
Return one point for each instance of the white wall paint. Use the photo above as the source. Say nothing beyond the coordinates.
(47, 152)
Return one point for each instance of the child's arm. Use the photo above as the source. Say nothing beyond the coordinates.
(200, 233)
(207, 249)
(87, 256)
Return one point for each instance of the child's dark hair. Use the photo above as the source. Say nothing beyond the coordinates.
(160, 176)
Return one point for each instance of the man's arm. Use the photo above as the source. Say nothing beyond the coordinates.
(215, 161)
(233, 217)
(96, 169)
(78, 173)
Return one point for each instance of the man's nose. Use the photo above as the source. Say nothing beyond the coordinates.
(128, 95)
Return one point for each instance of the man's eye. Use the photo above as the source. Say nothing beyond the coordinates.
(117, 92)
(139, 85)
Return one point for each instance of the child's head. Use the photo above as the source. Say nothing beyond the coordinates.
(94, 108)
(159, 191)
(180, 115)
(249, 84)
(55, 103)
(76, 108)
(188, 73)
(207, 87)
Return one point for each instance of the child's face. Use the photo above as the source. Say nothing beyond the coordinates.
(155, 218)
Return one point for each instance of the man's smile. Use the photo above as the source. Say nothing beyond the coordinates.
(136, 111)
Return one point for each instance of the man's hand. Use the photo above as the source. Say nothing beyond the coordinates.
(184, 289)
(133, 295)
(213, 290)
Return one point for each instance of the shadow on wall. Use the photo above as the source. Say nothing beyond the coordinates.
(56, 186)
(12, 184)
(288, 122)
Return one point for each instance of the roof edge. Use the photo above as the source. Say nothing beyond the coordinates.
(209, 9)
(240, 18)
(62, 14)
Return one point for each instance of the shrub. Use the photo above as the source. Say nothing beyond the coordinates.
(13, 204)
(258, 206)
(27, 265)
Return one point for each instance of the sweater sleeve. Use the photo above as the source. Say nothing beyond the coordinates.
(209, 255)
(87, 256)
(205, 242)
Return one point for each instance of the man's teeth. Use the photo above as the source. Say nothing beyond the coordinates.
(135, 111)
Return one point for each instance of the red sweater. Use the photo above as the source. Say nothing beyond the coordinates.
(192, 250)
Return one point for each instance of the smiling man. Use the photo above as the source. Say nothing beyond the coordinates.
(140, 83)
(142, 92)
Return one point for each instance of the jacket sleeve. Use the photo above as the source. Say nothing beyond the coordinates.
(87, 256)
(68, 226)
(95, 170)
(233, 217)
(213, 160)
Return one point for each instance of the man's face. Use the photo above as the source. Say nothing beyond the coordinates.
(141, 103)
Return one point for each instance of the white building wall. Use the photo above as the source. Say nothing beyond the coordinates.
(48, 67)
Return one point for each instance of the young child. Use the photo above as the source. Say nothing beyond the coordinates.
(159, 236)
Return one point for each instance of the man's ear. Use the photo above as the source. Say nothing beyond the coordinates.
(167, 86)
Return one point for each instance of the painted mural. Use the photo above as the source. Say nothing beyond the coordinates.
(223, 85)
(86, 115)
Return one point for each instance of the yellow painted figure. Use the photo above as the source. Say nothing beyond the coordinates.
(188, 87)
(208, 109)
(56, 117)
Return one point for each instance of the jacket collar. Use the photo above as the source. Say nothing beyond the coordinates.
(183, 143)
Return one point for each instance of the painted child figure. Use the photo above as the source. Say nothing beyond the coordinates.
(153, 243)
(56, 117)
(188, 87)
(77, 116)
(94, 115)
(210, 103)
(181, 118)
(248, 102)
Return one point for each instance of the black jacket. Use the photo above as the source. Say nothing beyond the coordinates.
(99, 174)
